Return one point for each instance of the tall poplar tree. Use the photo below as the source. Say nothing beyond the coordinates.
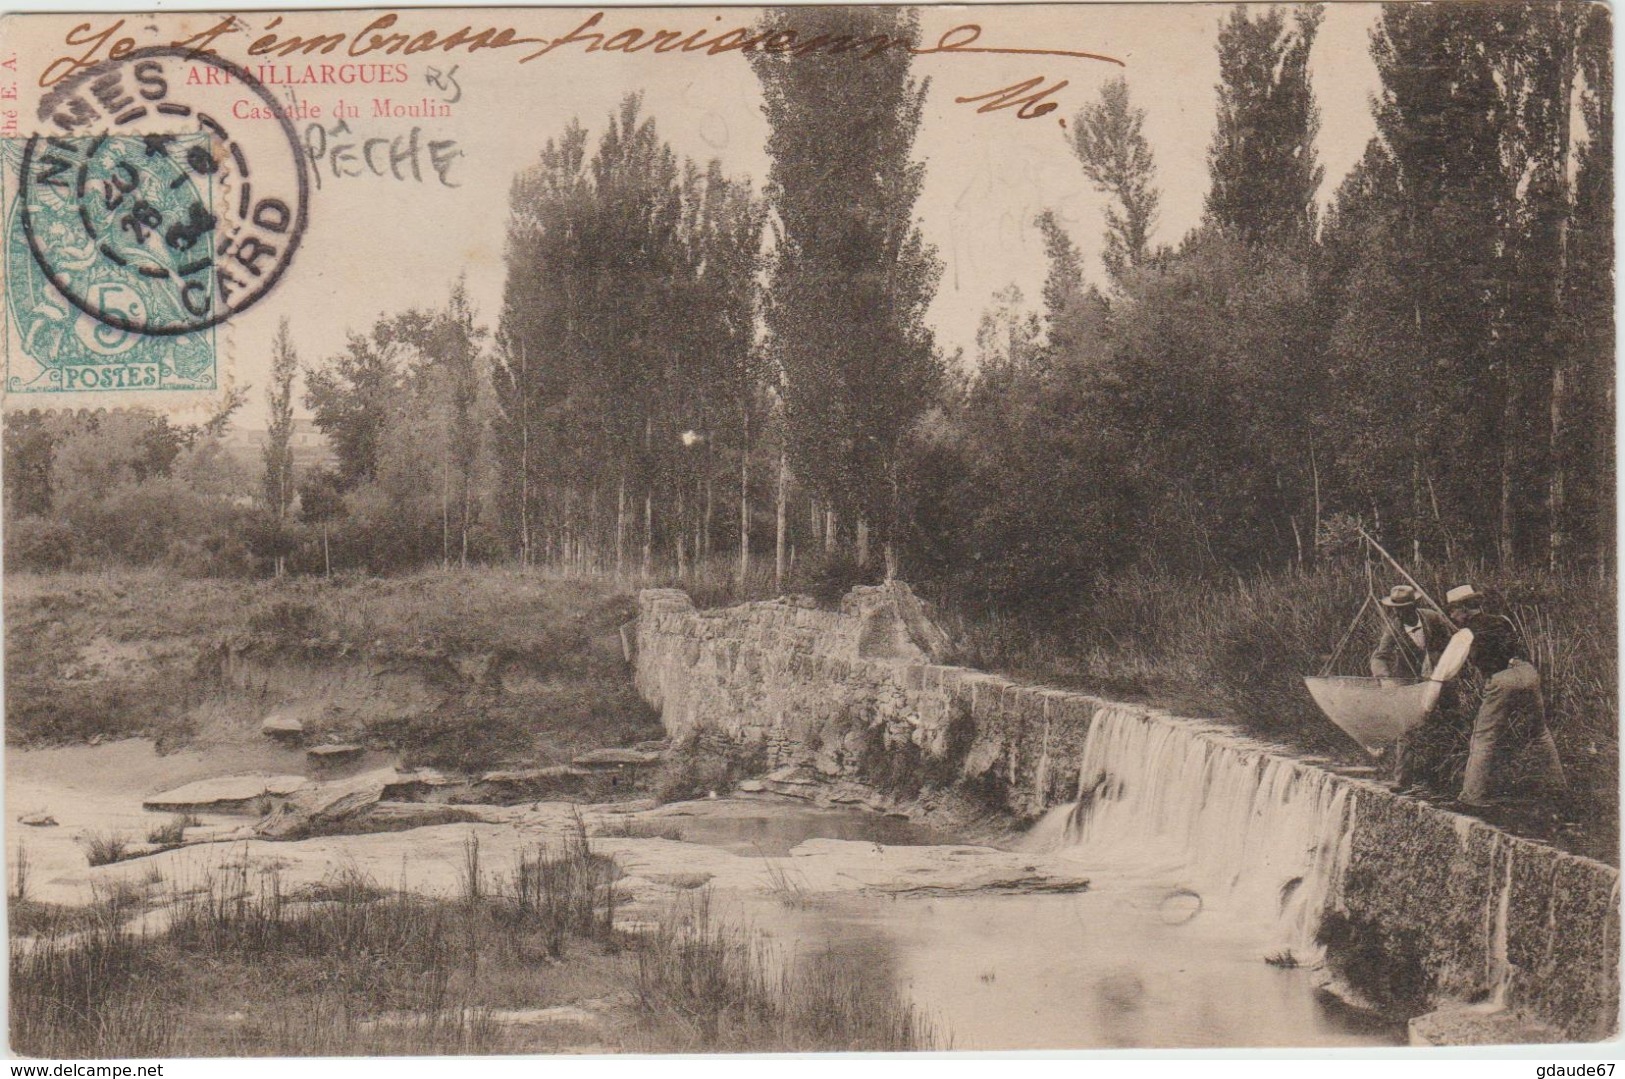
(1584, 433)
(1263, 164)
(851, 274)
(1108, 138)
(540, 344)
(1442, 116)
(278, 452)
(627, 370)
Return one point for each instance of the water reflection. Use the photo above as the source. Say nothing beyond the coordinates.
(1103, 969)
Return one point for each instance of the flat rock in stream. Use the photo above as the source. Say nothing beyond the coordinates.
(224, 794)
(403, 816)
(281, 725)
(321, 807)
(528, 784)
(1033, 884)
(522, 776)
(421, 785)
(334, 754)
(927, 871)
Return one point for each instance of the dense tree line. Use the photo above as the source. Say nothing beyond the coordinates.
(95, 488)
(405, 408)
(1432, 361)
(685, 368)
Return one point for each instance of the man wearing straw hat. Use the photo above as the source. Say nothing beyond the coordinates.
(1511, 720)
(1412, 639)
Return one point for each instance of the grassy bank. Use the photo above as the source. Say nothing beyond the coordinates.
(1238, 650)
(538, 672)
(352, 968)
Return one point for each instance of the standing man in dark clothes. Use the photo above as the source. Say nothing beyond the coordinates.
(1412, 639)
(1511, 720)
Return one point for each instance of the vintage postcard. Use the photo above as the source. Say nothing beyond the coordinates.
(702, 530)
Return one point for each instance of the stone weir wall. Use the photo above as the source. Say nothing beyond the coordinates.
(1430, 909)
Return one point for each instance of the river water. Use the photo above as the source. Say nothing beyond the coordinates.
(1209, 860)
(1139, 960)
(1202, 864)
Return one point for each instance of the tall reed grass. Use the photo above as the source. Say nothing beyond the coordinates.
(245, 966)
(727, 990)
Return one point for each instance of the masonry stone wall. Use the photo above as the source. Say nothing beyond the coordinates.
(1432, 907)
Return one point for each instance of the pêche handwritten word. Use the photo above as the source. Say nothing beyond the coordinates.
(338, 150)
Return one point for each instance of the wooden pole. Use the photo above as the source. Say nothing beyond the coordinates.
(1401, 571)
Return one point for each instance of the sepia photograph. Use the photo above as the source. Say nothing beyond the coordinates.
(542, 531)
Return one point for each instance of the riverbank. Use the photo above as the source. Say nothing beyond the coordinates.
(467, 670)
(526, 938)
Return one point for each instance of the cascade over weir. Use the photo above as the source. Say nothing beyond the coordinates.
(1410, 909)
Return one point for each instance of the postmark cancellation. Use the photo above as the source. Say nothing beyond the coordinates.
(139, 219)
(119, 235)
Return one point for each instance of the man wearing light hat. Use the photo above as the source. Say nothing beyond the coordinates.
(1412, 639)
(1511, 721)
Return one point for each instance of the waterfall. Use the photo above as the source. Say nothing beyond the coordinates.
(1258, 833)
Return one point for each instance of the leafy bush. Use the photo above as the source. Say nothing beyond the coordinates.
(40, 544)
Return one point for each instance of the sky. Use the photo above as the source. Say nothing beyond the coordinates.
(376, 245)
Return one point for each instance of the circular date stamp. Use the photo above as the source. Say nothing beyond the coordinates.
(144, 209)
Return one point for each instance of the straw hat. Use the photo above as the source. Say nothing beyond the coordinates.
(1464, 593)
(1401, 595)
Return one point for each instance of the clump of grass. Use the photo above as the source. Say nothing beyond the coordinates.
(727, 991)
(688, 881)
(105, 848)
(18, 892)
(346, 967)
(116, 899)
(172, 832)
(473, 878)
(1283, 959)
(787, 884)
(566, 890)
(345, 885)
(358, 973)
(81, 995)
(628, 828)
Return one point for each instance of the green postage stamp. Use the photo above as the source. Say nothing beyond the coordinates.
(108, 258)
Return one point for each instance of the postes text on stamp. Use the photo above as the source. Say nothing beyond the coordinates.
(128, 237)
